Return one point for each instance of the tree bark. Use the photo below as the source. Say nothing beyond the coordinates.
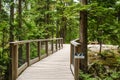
(47, 18)
(11, 21)
(20, 18)
(118, 16)
(57, 29)
(20, 26)
(83, 36)
(0, 5)
(11, 35)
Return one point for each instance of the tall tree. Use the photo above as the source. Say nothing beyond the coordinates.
(0, 5)
(11, 21)
(20, 17)
(20, 26)
(83, 36)
(47, 17)
(11, 33)
(118, 10)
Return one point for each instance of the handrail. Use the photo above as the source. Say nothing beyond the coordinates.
(75, 62)
(75, 42)
(16, 71)
(28, 41)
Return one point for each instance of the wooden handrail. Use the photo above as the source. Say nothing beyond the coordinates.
(16, 71)
(75, 42)
(75, 62)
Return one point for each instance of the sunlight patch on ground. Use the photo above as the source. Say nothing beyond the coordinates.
(76, 0)
(104, 47)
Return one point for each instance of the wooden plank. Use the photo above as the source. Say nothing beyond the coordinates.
(28, 41)
(54, 67)
(75, 42)
(43, 56)
(22, 68)
(72, 69)
(34, 60)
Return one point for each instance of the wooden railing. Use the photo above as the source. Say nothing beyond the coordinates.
(16, 70)
(75, 62)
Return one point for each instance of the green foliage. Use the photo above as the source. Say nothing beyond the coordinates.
(85, 76)
(4, 38)
(103, 24)
(100, 72)
(59, 18)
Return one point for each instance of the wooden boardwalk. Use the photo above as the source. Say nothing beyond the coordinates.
(54, 67)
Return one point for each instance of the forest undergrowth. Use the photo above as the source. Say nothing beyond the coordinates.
(103, 66)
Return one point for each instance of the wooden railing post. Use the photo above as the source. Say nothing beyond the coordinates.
(56, 45)
(62, 42)
(59, 43)
(28, 53)
(77, 63)
(52, 46)
(14, 62)
(46, 47)
(71, 52)
(39, 48)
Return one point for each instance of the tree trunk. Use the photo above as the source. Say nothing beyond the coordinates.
(100, 47)
(47, 18)
(0, 5)
(11, 35)
(83, 36)
(63, 28)
(20, 26)
(57, 29)
(118, 16)
(3, 41)
(20, 18)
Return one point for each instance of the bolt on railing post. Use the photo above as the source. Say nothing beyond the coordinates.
(39, 48)
(14, 61)
(46, 42)
(28, 53)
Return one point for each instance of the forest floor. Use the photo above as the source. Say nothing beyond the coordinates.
(109, 52)
(104, 65)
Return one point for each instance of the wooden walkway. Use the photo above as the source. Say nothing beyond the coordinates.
(54, 67)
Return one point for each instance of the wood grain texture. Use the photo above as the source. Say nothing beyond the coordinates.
(54, 67)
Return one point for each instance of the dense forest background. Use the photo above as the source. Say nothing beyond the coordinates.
(38, 19)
